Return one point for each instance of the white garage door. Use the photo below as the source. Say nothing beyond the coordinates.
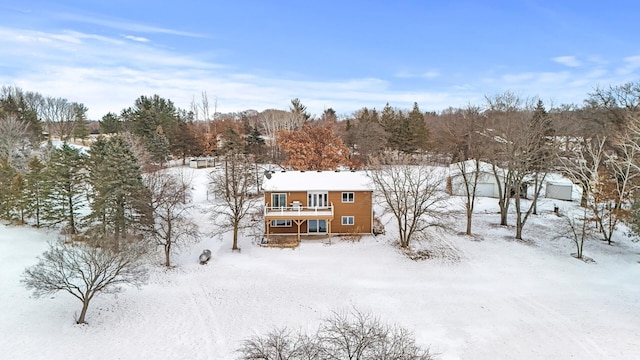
(484, 189)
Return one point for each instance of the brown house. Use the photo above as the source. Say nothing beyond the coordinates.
(317, 203)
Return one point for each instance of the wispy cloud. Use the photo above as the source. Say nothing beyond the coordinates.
(431, 74)
(124, 25)
(631, 64)
(108, 73)
(136, 38)
(570, 61)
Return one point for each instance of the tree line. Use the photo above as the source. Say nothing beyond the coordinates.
(519, 140)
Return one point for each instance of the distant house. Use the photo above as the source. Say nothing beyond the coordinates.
(487, 184)
(317, 203)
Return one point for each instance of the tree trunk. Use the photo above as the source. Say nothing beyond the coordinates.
(469, 216)
(167, 255)
(235, 237)
(83, 313)
(37, 215)
(72, 222)
(535, 202)
(503, 213)
(585, 196)
(518, 216)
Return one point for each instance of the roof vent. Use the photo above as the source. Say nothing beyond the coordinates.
(267, 174)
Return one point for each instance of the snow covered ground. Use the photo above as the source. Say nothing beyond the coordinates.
(504, 299)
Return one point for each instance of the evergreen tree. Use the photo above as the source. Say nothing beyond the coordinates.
(299, 115)
(541, 130)
(185, 142)
(118, 196)
(414, 131)
(80, 130)
(7, 173)
(19, 199)
(15, 102)
(154, 120)
(66, 180)
(392, 123)
(158, 147)
(233, 142)
(255, 142)
(110, 124)
(36, 190)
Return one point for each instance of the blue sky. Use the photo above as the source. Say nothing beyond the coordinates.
(251, 54)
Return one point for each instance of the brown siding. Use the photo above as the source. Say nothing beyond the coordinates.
(360, 209)
(291, 196)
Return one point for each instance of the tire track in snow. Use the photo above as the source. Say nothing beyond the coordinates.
(561, 326)
(558, 324)
(209, 323)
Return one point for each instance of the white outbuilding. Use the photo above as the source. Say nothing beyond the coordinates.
(559, 190)
(487, 185)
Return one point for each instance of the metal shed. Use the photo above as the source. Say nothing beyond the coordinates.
(559, 190)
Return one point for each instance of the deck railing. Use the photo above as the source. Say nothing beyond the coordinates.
(298, 210)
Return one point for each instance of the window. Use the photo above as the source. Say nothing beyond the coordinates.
(347, 220)
(317, 226)
(278, 200)
(347, 197)
(317, 199)
(280, 223)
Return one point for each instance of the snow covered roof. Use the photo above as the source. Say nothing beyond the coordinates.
(317, 181)
(469, 166)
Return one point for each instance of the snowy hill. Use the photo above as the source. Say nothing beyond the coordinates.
(504, 299)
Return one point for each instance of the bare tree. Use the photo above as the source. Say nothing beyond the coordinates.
(273, 121)
(13, 133)
(605, 179)
(344, 335)
(280, 344)
(85, 271)
(170, 198)
(231, 187)
(520, 153)
(577, 228)
(414, 194)
(462, 130)
(59, 115)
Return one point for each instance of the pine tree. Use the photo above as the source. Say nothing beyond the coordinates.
(19, 199)
(117, 193)
(414, 132)
(66, 182)
(185, 142)
(110, 124)
(158, 147)
(255, 142)
(233, 142)
(15, 103)
(155, 120)
(391, 122)
(36, 190)
(7, 173)
(80, 130)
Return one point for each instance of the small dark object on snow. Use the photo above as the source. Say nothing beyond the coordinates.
(205, 256)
